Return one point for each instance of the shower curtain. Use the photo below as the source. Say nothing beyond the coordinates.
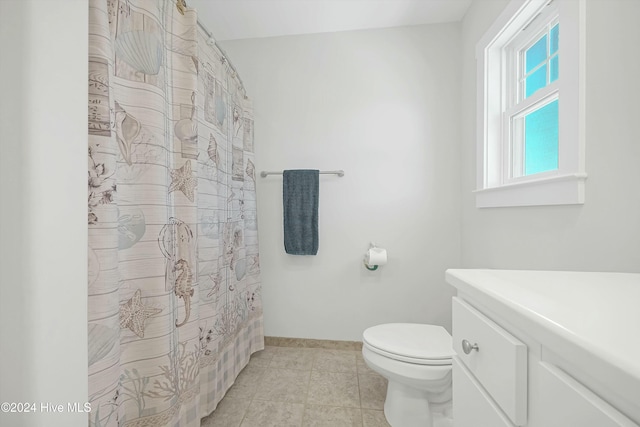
(174, 305)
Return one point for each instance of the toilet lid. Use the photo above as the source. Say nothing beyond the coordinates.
(411, 342)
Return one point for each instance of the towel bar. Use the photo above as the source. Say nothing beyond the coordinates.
(339, 173)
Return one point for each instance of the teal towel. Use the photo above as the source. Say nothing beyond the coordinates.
(300, 188)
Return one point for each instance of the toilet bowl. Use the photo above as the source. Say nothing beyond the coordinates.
(416, 361)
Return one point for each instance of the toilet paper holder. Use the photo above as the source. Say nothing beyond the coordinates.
(367, 266)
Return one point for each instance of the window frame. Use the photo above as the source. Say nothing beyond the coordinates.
(496, 185)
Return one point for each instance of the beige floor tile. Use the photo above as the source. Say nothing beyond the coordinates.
(334, 389)
(247, 382)
(335, 361)
(373, 390)
(262, 358)
(362, 365)
(284, 385)
(331, 416)
(273, 414)
(229, 413)
(293, 358)
(372, 418)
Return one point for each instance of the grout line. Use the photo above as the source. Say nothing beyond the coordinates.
(359, 390)
(306, 397)
(253, 395)
(358, 383)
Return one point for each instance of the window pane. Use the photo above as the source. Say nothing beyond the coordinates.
(536, 54)
(553, 72)
(553, 41)
(541, 139)
(536, 81)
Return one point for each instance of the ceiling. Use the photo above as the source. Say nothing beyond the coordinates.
(243, 19)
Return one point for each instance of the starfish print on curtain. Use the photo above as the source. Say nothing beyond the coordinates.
(133, 314)
(182, 179)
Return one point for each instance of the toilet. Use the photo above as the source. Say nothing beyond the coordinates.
(416, 361)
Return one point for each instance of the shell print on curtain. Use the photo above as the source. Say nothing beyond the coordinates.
(174, 305)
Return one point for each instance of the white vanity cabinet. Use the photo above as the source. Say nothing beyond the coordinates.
(545, 349)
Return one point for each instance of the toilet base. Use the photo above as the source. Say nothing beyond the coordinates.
(407, 406)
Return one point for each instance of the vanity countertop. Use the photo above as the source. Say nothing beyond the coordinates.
(589, 318)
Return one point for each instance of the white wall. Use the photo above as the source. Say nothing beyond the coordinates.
(604, 233)
(382, 105)
(43, 210)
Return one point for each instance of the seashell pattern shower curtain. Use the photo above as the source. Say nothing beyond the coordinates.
(174, 306)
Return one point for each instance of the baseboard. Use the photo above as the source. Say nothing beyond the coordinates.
(312, 343)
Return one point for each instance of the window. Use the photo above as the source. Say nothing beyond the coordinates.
(533, 117)
(530, 106)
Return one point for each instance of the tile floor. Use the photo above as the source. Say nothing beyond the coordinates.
(303, 387)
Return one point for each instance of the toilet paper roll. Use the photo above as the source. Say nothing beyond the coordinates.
(376, 256)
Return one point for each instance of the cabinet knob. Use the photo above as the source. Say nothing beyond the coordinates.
(467, 347)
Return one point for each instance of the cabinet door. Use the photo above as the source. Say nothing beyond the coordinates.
(472, 407)
(565, 402)
(499, 362)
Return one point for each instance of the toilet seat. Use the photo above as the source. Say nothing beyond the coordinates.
(410, 342)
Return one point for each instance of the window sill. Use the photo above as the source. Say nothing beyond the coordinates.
(556, 190)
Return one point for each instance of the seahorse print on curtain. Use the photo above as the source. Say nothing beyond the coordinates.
(174, 305)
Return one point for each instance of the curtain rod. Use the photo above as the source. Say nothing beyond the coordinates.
(225, 58)
(339, 173)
